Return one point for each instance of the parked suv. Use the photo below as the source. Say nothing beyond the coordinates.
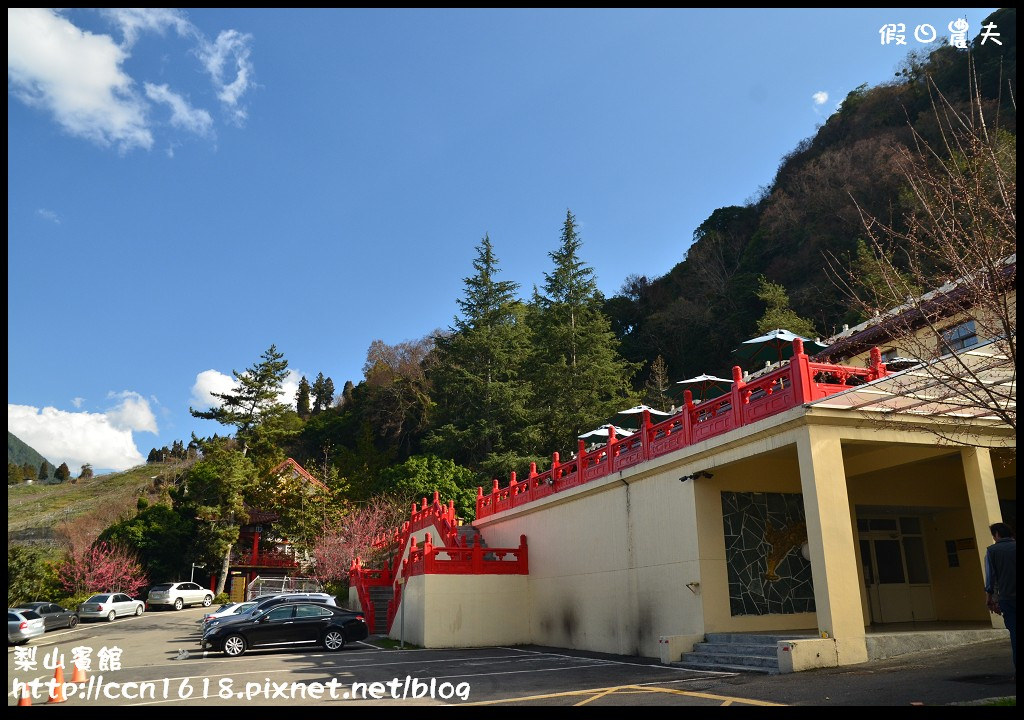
(178, 595)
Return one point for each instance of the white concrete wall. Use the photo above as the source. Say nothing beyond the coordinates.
(464, 611)
(609, 568)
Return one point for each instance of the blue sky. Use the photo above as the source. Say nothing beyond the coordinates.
(187, 187)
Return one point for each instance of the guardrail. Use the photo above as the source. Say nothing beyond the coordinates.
(796, 383)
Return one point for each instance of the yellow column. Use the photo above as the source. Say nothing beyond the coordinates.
(984, 501)
(831, 541)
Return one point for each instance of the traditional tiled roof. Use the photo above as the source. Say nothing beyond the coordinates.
(298, 470)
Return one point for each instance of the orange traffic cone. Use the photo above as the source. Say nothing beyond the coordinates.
(78, 676)
(57, 694)
(25, 699)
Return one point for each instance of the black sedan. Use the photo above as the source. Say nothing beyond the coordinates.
(54, 616)
(291, 624)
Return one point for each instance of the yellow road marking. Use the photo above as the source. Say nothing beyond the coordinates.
(592, 698)
(633, 690)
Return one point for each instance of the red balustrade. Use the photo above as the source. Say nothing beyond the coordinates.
(796, 383)
(463, 559)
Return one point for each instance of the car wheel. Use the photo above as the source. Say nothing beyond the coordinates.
(334, 640)
(178, 604)
(234, 645)
(73, 621)
(139, 610)
(111, 615)
(207, 600)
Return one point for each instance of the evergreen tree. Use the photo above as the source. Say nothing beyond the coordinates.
(256, 399)
(302, 399)
(215, 489)
(323, 393)
(45, 470)
(579, 378)
(14, 475)
(63, 473)
(656, 390)
(481, 394)
(154, 456)
(346, 394)
(778, 314)
(86, 472)
(28, 472)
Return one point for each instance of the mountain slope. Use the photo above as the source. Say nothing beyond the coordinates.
(20, 453)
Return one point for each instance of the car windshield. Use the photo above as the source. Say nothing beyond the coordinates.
(98, 599)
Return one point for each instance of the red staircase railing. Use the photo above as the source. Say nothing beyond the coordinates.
(798, 382)
(462, 559)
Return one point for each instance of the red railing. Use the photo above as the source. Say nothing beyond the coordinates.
(796, 383)
(465, 559)
(363, 579)
(270, 559)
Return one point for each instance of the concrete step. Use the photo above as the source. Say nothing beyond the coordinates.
(754, 638)
(753, 661)
(764, 650)
(720, 667)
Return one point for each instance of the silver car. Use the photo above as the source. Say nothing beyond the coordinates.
(179, 594)
(23, 625)
(109, 606)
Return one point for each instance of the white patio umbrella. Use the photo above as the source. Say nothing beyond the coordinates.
(632, 416)
(774, 346)
(705, 387)
(602, 432)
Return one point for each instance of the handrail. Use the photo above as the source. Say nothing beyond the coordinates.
(462, 559)
(796, 383)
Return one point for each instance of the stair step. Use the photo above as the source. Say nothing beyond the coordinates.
(753, 638)
(735, 649)
(717, 667)
(733, 659)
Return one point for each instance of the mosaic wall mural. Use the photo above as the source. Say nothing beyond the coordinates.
(763, 536)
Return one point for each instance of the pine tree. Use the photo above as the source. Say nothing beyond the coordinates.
(86, 472)
(318, 389)
(656, 389)
(346, 394)
(328, 393)
(62, 473)
(45, 470)
(302, 399)
(28, 472)
(154, 456)
(256, 399)
(481, 394)
(778, 314)
(579, 378)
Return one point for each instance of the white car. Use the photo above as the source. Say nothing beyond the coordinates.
(236, 608)
(179, 594)
(109, 606)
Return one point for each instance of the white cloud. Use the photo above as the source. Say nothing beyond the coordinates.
(183, 115)
(77, 402)
(214, 381)
(103, 440)
(134, 21)
(209, 382)
(76, 75)
(48, 215)
(820, 97)
(133, 413)
(229, 53)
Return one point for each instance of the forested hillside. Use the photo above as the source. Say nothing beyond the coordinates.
(703, 307)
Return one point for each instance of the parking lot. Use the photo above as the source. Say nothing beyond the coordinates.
(159, 663)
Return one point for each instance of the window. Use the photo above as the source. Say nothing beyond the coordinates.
(890, 355)
(281, 613)
(311, 611)
(959, 337)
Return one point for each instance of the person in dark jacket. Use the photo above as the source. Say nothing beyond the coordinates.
(1001, 580)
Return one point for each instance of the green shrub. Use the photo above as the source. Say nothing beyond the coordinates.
(222, 599)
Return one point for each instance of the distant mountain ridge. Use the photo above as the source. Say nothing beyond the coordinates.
(20, 453)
